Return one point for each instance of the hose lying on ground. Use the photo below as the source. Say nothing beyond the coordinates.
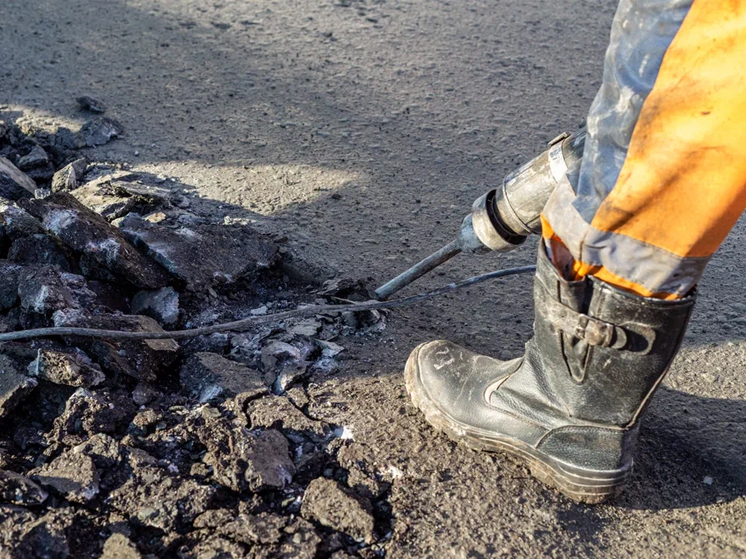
(239, 325)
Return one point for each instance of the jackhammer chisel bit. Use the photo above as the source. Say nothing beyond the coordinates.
(504, 217)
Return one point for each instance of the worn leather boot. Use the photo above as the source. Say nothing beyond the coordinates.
(569, 408)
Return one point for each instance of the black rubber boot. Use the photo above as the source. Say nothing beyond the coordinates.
(570, 407)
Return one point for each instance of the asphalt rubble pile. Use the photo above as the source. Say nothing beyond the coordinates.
(201, 448)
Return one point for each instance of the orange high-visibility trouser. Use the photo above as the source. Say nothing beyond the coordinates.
(663, 177)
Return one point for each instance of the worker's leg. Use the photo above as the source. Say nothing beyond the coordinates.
(661, 184)
(663, 178)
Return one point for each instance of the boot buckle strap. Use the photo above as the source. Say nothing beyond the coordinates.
(599, 333)
(593, 331)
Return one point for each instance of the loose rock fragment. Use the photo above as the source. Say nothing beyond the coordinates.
(88, 103)
(144, 393)
(70, 176)
(279, 413)
(301, 540)
(243, 459)
(10, 274)
(332, 505)
(208, 376)
(119, 546)
(265, 528)
(37, 157)
(201, 256)
(307, 327)
(89, 413)
(151, 498)
(46, 535)
(39, 249)
(215, 547)
(99, 131)
(14, 183)
(72, 368)
(88, 233)
(16, 223)
(161, 304)
(72, 475)
(42, 290)
(140, 359)
(14, 386)
(20, 490)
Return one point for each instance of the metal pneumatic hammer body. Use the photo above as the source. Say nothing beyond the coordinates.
(504, 217)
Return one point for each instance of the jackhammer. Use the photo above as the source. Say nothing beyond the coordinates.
(504, 217)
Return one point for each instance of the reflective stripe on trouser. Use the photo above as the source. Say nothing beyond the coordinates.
(663, 178)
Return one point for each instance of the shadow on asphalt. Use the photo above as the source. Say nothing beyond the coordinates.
(690, 453)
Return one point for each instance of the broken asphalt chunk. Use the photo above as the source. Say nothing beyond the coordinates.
(14, 386)
(14, 183)
(20, 490)
(209, 376)
(73, 368)
(88, 233)
(88, 103)
(140, 359)
(99, 131)
(72, 475)
(244, 459)
(160, 304)
(334, 506)
(119, 546)
(70, 176)
(279, 413)
(201, 255)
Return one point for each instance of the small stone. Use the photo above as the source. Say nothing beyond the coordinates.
(307, 327)
(160, 304)
(88, 414)
(279, 352)
(119, 546)
(70, 176)
(37, 157)
(334, 506)
(216, 547)
(259, 311)
(708, 480)
(20, 490)
(14, 386)
(152, 498)
(99, 131)
(73, 475)
(14, 183)
(73, 368)
(144, 393)
(208, 376)
(329, 349)
(87, 103)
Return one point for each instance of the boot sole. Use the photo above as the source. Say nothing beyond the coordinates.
(579, 484)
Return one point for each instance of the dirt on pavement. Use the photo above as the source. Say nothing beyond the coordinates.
(356, 133)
